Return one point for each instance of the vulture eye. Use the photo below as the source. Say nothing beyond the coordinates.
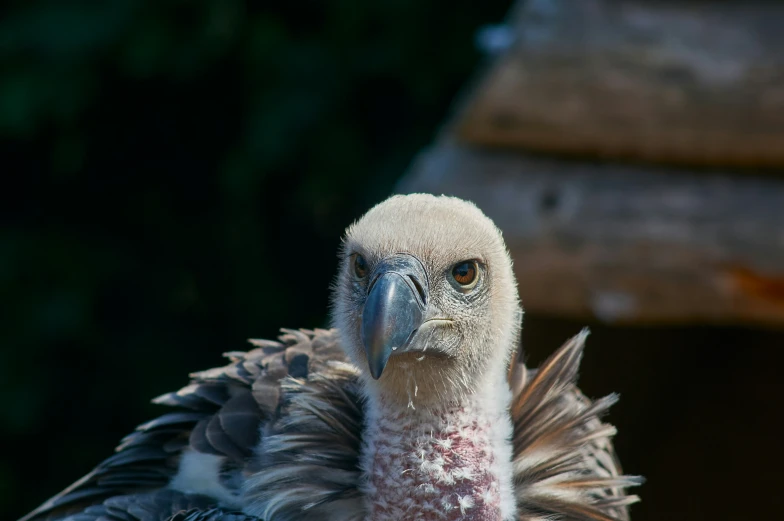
(360, 266)
(465, 273)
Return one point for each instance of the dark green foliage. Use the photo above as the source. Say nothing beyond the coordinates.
(175, 178)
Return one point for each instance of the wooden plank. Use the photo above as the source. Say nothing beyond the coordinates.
(625, 243)
(687, 82)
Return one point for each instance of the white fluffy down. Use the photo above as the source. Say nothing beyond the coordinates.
(199, 473)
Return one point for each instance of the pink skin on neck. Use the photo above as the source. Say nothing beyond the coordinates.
(435, 466)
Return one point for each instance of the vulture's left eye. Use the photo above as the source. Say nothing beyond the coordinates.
(465, 273)
(360, 266)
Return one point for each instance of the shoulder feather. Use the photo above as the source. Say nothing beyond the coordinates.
(221, 413)
(564, 463)
(310, 458)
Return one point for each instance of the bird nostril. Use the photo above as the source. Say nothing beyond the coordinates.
(419, 288)
(410, 336)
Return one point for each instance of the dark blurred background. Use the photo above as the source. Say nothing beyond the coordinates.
(175, 179)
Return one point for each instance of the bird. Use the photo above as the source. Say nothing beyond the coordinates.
(416, 403)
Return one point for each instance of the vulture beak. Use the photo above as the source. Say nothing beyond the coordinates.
(394, 309)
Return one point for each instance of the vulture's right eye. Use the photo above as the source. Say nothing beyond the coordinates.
(360, 266)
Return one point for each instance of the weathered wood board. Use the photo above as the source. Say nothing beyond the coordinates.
(683, 82)
(625, 243)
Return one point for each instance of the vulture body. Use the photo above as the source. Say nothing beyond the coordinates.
(414, 406)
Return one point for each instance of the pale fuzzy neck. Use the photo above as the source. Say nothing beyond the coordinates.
(440, 463)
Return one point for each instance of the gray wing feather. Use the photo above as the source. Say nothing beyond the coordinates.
(213, 514)
(160, 505)
(221, 412)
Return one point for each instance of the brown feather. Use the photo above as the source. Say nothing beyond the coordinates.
(565, 466)
(307, 422)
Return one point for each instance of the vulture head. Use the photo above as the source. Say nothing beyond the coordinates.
(425, 299)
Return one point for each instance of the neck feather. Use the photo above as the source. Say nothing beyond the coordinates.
(440, 462)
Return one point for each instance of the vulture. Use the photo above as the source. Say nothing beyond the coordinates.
(414, 406)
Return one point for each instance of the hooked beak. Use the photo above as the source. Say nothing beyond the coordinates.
(394, 309)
